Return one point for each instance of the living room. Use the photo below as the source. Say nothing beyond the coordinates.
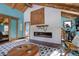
(39, 29)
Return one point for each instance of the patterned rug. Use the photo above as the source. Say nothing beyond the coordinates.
(49, 51)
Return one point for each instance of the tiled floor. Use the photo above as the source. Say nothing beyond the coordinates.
(4, 48)
(44, 50)
(48, 51)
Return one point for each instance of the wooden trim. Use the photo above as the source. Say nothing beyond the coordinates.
(23, 10)
(12, 5)
(63, 6)
(16, 18)
(28, 5)
(68, 15)
(24, 28)
(9, 30)
(16, 29)
(19, 6)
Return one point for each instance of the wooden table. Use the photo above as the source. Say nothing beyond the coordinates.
(24, 50)
(71, 46)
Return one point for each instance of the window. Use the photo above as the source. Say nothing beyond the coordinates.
(27, 25)
(6, 28)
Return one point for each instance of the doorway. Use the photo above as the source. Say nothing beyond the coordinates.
(8, 28)
(4, 28)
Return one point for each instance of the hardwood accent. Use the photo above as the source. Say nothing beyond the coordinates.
(2, 15)
(24, 27)
(24, 50)
(24, 9)
(68, 15)
(29, 5)
(37, 16)
(63, 34)
(73, 7)
(16, 29)
(12, 5)
(19, 6)
(70, 47)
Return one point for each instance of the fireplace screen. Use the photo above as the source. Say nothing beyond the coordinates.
(43, 34)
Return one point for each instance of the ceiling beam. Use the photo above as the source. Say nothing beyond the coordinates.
(19, 6)
(68, 10)
(25, 8)
(68, 15)
(62, 6)
(29, 4)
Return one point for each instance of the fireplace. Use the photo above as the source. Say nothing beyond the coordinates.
(43, 34)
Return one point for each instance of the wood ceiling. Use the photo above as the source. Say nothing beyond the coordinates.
(19, 6)
(65, 6)
(73, 7)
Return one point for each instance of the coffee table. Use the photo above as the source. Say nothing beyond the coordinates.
(24, 50)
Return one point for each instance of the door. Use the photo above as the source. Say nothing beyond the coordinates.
(13, 34)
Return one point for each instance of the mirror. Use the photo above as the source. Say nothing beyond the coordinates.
(67, 24)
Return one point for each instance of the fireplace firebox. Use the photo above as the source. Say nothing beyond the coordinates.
(43, 34)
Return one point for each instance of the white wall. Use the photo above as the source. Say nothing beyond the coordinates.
(52, 18)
